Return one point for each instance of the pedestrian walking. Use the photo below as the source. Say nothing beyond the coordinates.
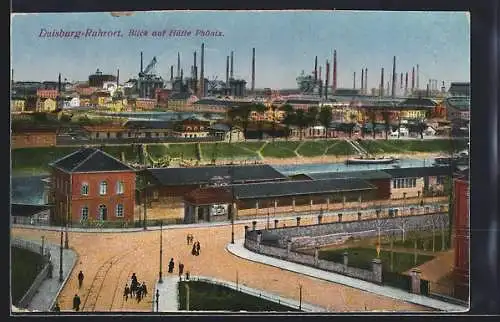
(171, 266)
(126, 292)
(193, 251)
(76, 303)
(138, 294)
(181, 269)
(56, 308)
(80, 279)
(144, 289)
(197, 248)
(187, 275)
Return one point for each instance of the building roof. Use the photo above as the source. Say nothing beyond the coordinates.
(460, 103)
(209, 195)
(302, 101)
(154, 124)
(418, 103)
(298, 187)
(179, 96)
(218, 102)
(203, 175)
(221, 127)
(419, 171)
(459, 88)
(366, 175)
(90, 160)
(26, 210)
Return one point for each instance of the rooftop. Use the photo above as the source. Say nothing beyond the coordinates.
(154, 124)
(26, 210)
(203, 175)
(90, 160)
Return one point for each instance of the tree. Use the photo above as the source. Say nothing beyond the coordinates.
(274, 108)
(243, 113)
(312, 115)
(232, 114)
(289, 118)
(260, 109)
(373, 118)
(325, 118)
(301, 121)
(387, 124)
(421, 127)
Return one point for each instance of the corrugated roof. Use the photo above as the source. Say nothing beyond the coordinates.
(90, 160)
(203, 175)
(419, 171)
(366, 175)
(142, 124)
(25, 210)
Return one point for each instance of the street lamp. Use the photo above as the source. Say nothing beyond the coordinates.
(61, 258)
(267, 224)
(145, 207)
(300, 297)
(160, 279)
(66, 241)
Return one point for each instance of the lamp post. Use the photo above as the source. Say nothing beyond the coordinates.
(43, 245)
(300, 297)
(66, 241)
(160, 279)
(232, 227)
(267, 224)
(61, 257)
(145, 207)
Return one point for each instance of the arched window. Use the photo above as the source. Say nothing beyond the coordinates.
(119, 210)
(84, 189)
(103, 188)
(103, 212)
(84, 213)
(120, 188)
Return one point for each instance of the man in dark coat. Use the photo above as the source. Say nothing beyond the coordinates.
(197, 248)
(171, 266)
(181, 269)
(144, 289)
(80, 279)
(126, 292)
(76, 303)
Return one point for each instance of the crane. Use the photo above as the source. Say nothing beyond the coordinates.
(149, 67)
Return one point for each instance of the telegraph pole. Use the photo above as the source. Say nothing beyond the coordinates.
(160, 279)
(61, 257)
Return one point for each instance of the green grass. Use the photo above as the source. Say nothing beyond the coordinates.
(187, 151)
(25, 266)
(424, 241)
(254, 146)
(437, 145)
(37, 159)
(209, 297)
(313, 148)
(378, 147)
(225, 150)
(116, 151)
(341, 148)
(362, 257)
(280, 149)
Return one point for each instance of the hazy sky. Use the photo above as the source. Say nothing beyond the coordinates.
(286, 43)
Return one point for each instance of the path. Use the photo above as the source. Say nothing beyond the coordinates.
(239, 250)
(357, 147)
(168, 290)
(142, 249)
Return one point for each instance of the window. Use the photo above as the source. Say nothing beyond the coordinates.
(414, 182)
(103, 212)
(84, 213)
(103, 188)
(394, 183)
(84, 189)
(119, 210)
(120, 187)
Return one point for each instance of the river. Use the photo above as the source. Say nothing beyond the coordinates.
(29, 189)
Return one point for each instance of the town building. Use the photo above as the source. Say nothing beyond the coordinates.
(90, 185)
(17, 104)
(192, 128)
(457, 109)
(459, 89)
(46, 105)
(416, 108)
(47, 93)
(104, 131)
(148, 129)
(72, 102)
(31, 137)
(461, 232)
(25, 214)
(225, 133)
(144, 104)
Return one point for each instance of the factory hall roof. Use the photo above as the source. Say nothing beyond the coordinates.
(25, 210)
(204, 175)
(139, 124)
(366, 175)
(460, 89)
(89, 160)
(419, 172)
(418, 102)
(460, 103)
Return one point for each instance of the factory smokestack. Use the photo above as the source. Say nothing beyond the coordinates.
(427, 92)
(195, 71)
(202, 72)
(182, 74)
(232, 62)
(320, 73)
(253, 70)
(354, 81)
(227, 71)
(412, 80)
(418, 72)
(401, 82)
(406, 84)
(171, 73)
(327, 78)
(393, 93)
(366, 80)
(117, 77)
(59, 92)
(12, 75)
(141, 62)
(178, 64)
(362, 81)
(315, 69)
(381, 86)
(334, 80)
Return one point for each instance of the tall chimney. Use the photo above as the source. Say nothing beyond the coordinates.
(118, 77)
(202, 72)
(366, 80)
(141, 62)
(316, 70)
(413, 79)
(182, 74)
(253, 70)
(354, 81)
(227, 71)
(387, 90)
(327, 78)
(320, 73)
(12, 76)
(171, 73)
(232, 61)
(334, 80)
(381, 86)
(195, 76)
(401, 83)
(178, 64)
(406, 84)
(418, 72)
(59, 92)
(362, 81)
(427, 90)
(393, 93)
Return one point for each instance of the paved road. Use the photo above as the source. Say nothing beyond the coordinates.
(116, 256)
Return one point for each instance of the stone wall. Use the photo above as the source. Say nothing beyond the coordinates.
(374, 275)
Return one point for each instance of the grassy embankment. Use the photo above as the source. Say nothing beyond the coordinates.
(25, 266)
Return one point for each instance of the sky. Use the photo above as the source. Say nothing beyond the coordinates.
(285, 43)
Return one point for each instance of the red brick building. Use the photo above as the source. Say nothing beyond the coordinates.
(33, 138)
(90, 184)
(47, 93)
(461, 232)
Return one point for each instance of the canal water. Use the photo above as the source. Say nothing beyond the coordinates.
(29, 189)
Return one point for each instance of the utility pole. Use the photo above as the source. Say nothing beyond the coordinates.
(160, 279)
(300, 297)
(233, 205)
(61, 257)
(66, 241)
